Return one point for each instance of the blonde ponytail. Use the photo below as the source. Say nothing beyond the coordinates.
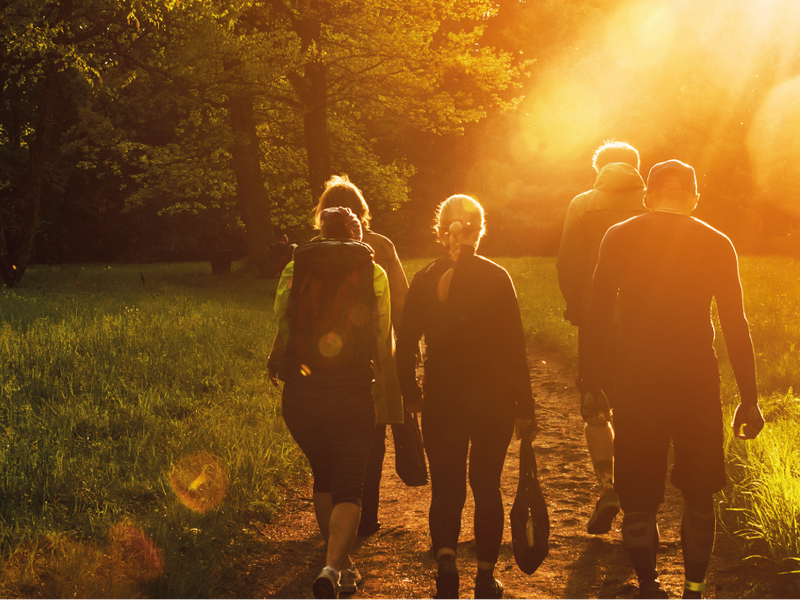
(455, 231)
(459, 222)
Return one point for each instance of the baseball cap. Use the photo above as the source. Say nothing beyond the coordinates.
(672, 175)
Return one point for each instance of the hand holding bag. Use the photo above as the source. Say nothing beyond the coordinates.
(530, 523)
(409, 455)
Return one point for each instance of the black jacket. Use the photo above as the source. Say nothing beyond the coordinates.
(474, 341)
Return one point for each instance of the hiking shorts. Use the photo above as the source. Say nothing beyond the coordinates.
(643, 432)
(333, 425)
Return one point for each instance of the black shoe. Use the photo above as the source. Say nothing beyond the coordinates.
(368, 529)
(652, 589)
(447, 578)
(488, 587)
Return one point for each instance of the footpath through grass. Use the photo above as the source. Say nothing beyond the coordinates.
(138, 427)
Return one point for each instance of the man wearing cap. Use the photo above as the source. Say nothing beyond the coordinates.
(615, 197)
(666, 268)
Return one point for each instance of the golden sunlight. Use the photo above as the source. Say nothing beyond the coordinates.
(662, 70)
(774, 146)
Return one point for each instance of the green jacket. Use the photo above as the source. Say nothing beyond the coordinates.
(617, 196)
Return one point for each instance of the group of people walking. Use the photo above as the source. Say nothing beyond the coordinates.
(638, 275)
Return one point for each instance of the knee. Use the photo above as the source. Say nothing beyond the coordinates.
(486, 494)
(699, 503)
(639, 528)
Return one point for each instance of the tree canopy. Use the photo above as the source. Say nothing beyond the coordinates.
(145, 130)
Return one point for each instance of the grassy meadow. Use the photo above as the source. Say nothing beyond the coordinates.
(138, 427)
(135, 412)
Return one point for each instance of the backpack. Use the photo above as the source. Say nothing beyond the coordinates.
(331, 336)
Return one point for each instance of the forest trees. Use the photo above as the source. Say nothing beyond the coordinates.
(43, 46)
(228, 110)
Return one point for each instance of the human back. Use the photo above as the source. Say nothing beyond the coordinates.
(470, 335)
(674, 267)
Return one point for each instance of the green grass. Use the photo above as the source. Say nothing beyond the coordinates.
(107, 382)
(112, 387)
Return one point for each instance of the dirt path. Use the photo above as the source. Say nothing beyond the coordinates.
(397, 563)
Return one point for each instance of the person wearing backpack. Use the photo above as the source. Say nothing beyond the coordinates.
(333, 310)
(340, 191)
(476, 388)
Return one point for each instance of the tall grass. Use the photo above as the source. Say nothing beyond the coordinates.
(108, 378)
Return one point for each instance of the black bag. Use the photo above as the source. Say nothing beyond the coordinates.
(530, 523)
(409, 455)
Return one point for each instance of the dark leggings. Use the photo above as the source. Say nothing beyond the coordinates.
(333, 426)
(449, 425)
(372, 478)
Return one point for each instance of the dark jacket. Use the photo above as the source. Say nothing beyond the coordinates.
(617, 195)
(474, 341)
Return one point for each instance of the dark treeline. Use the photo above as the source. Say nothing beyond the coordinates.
(164, 130)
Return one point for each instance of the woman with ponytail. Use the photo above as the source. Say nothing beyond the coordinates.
(476, 387)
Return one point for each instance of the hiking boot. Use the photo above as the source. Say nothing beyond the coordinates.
(326, 585)
(652, 589)
(487, 586)
(349, 580)
(447, 578)
(605, 510)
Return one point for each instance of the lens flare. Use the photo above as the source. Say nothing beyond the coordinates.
(133, 553)
(199, 481)
(330, 345)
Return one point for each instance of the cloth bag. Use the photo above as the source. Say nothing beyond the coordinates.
(530, 522)
(409, 455)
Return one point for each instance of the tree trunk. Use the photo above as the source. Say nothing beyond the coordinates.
(251, 195)
(315, 128)
(312, 89)
(14, 260)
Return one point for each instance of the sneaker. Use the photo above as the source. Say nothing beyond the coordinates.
(326, 585)
(349, 579)
(652, 589)
(447, 578)
(605, 510)
(488, 587)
